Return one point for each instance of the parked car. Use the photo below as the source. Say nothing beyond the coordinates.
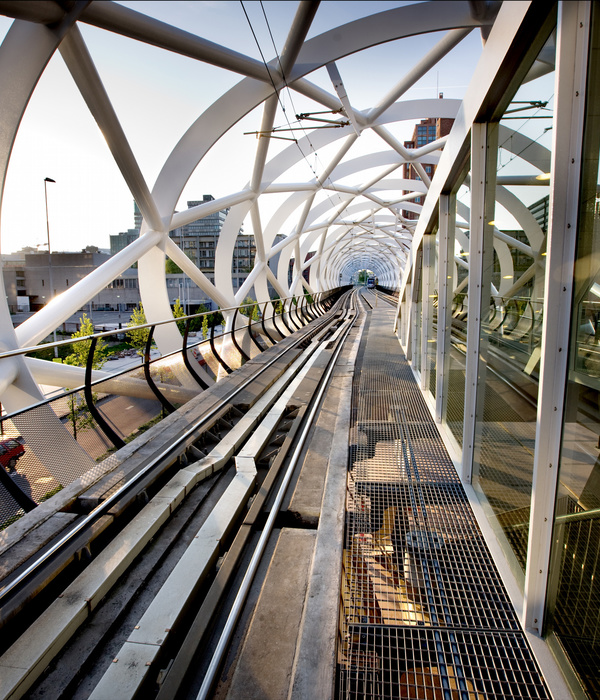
(10, 452)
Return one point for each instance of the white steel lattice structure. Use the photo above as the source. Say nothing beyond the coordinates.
(348, 216)
(497, 275)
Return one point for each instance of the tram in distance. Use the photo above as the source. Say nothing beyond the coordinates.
(371, 282)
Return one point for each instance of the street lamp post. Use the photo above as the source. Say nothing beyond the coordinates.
(51, 280)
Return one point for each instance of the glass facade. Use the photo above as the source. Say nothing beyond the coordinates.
(504, 292)
(512, 313)
(453, 410)
(574, 593)
(430, 277)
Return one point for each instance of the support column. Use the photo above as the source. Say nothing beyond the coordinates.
(484, 153)
(445, 289)
(427, 306)
(570, 80)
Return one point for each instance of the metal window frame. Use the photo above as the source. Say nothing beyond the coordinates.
(427, 285)
(446, 237)
(573, 27)
(484, 152)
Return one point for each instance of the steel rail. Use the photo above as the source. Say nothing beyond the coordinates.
(240, 598)
(102, 508)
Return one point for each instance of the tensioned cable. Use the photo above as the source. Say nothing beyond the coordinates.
(278, 93)
(301, 127)
(342, 202)
(516, 131)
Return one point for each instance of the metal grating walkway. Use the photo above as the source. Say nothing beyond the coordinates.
(424, 613)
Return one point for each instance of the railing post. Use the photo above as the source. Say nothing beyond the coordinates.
(166, 404)
(262, 321)
(111, 434)
(445, 287)
(567, 157)
(238, 347)
(186, 359)
(213, 348)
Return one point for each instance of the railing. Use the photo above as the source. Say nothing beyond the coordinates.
(108, 409)
(513, 328)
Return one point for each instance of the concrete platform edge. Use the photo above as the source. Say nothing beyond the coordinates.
(314, 669)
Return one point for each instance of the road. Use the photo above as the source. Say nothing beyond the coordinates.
(125, 414)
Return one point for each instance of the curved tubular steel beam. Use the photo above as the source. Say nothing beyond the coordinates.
(213, 348)
(262, 321)
(275, 323)
(186, 359)
(283, 318)
(252, 338)
(309, 310)
(23, 500)
(166, 404)
(303, 311)
(291, 318)
(238, 347)
(106, 428)
(298, 318)
(300, 57)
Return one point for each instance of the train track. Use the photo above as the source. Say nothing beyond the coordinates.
(126, 596)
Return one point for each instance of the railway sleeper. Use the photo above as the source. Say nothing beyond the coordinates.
(140, 658)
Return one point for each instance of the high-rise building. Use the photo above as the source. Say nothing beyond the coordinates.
(425, 132)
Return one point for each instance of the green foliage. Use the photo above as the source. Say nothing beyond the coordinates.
(172, 268)
(205, 327)
(362, 276)
(79, 415)
(138, 337)
(48, 353)
(178, 312)
(49, 494)
(215, 319)
(250, 308)
(81, 349)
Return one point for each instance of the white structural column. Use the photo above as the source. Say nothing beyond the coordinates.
(414, 314)
(19, 73)
(427, 306)
(445, 288)
(484, 151)
(570, 81)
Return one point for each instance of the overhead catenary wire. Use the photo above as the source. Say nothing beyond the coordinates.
(278, 94)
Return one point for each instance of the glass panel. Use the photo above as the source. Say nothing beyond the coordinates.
(454, 406)
(574, 596)
(512, 306)
(417, 311)
(431, 330)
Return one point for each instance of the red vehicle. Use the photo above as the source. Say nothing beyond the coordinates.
(10, 452)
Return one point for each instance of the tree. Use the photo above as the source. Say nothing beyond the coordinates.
(205, 327)
(250, 308)
(172, 268)
(79, 415)
(81, 349)
(138, 337)
(178, 312)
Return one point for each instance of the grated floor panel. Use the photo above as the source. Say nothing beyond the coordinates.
(423, 613)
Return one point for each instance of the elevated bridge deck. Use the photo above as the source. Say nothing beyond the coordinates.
(425, 613)
(394, 596)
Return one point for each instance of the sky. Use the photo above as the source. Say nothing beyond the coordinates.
(157, 95)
